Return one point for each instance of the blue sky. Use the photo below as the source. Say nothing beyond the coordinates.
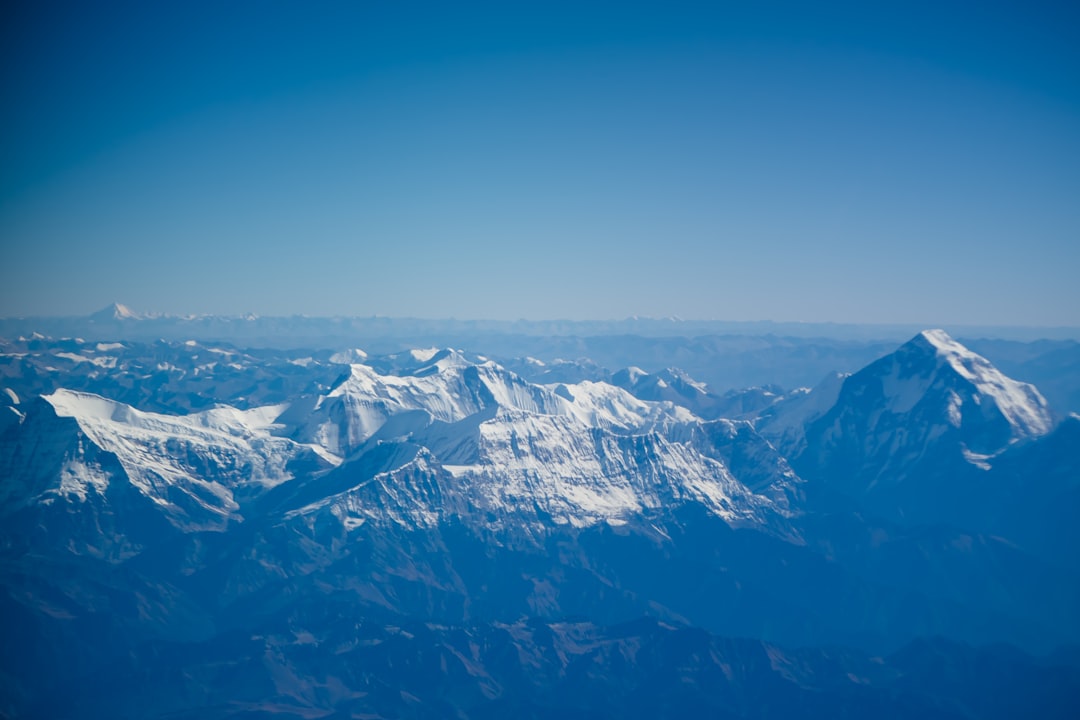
(864, 162)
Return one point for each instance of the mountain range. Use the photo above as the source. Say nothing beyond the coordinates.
(193, 529)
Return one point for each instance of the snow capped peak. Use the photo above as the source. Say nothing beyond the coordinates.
(451, 388)
(926, 405)
(422, 361)
(598, 404)
(349, 357)
(582, 453)
(115, 311)
(677, 375)
(437, 361)
(631, 375)
(939, 339)
(424, 354)
(1021, 404)
(959, 357)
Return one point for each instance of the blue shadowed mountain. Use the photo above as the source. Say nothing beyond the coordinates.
(429, 532)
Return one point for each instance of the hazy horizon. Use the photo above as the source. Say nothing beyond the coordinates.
(648, 325)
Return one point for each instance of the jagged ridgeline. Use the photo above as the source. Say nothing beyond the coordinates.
(192, 529)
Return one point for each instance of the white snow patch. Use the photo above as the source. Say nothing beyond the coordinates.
(76, 478)
(325, 454)
(978, 460)
(953, 409)
(72, 357)
(349, 357)
(460, 470)
(696, 384)
(424, 354)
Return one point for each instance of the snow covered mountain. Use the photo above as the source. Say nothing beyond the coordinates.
(114, 313)
(215, 522)
(499, 447)
(447, 438)
(913, 433)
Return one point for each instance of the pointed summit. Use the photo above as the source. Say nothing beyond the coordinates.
(939, 339)
(114, 312)
(920, 418)
(934, 356)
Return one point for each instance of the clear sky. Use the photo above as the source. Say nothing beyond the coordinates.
(862, 162)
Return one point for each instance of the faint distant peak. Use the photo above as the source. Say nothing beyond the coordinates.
(115, 311)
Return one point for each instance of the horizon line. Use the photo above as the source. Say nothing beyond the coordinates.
(122, 313)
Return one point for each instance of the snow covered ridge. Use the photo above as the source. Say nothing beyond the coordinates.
(193, 466)
(422, 436)
(451, 389)
(450, 438)
(581, 453)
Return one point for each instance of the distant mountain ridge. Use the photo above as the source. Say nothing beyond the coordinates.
(118, 321)
(727, 356)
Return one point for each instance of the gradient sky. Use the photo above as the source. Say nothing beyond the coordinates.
(864, 162)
